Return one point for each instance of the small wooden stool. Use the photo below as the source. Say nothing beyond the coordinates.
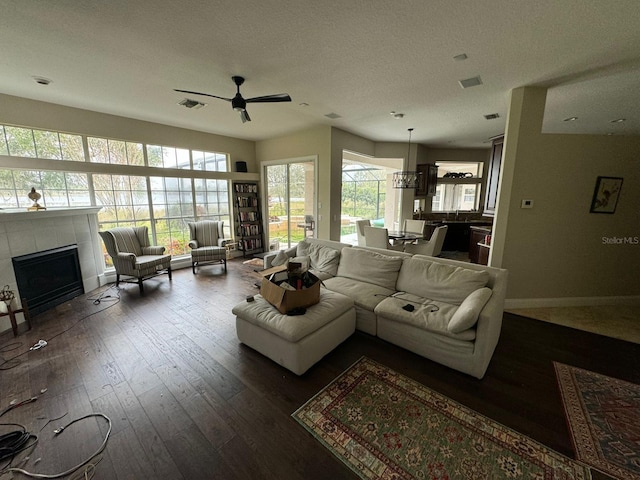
(12, 315)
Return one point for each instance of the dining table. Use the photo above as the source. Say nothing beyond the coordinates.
(402, 237)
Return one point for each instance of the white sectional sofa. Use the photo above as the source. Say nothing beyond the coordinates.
(444, 310)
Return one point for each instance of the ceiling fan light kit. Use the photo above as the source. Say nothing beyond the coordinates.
(239, 103)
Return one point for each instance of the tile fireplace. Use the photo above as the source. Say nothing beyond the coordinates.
(24, 233)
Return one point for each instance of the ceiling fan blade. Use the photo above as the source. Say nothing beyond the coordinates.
(244, 116)
(279, 97)
(199, 93)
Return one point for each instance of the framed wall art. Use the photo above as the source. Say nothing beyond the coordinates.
(605, 195)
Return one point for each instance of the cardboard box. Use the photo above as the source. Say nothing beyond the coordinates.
(286, 300)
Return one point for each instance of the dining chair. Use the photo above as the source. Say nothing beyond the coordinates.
(379, 238)
(431, 247)
(415, 226)
(360, 224)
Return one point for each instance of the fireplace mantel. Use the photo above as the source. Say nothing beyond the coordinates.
(23, 232)
(17, 214)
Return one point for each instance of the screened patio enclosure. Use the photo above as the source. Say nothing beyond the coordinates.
(368, 194)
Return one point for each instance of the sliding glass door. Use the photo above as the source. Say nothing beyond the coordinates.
(290, 201)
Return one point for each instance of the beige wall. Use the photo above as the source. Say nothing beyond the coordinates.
(555, 250)
(34, 114)
(305, 143)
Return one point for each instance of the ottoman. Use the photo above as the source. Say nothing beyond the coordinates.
(296, 342)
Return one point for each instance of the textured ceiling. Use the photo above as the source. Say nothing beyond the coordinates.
(359, 59)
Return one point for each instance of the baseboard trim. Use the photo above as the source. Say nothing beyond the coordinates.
(570, 302)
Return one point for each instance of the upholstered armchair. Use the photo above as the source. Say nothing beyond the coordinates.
(431, 247)
(133, 256)
(207, 243)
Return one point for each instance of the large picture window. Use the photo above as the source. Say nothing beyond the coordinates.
(129, 198)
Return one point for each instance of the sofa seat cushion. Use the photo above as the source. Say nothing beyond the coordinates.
(430, 315)
(365, 295)
(370, 267)
(294, 328)
(446, 283)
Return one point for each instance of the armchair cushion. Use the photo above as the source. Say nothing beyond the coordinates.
(206, 233)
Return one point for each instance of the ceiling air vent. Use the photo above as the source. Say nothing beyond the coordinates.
(470, 82)
(187, 102)
(492, 116)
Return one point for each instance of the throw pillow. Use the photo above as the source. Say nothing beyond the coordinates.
(322, 258)
(468, 312)
(305, 261)
(280, 259)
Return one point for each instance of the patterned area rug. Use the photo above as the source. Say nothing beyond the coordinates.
(603, 414)
(384, 425)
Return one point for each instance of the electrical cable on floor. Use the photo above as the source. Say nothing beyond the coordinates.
(71, 470)
(14, 442)
(94, 300)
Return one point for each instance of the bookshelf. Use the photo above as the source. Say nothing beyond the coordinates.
(248, 216)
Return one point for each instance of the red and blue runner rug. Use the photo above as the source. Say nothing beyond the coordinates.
(603, 415)
(384, 425)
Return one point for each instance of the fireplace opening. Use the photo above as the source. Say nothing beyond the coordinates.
(48, 278)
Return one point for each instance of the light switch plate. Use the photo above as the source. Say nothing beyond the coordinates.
(526, 204)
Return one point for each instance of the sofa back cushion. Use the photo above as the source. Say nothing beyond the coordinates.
(322, 258)
(437, 281)
(371, 267)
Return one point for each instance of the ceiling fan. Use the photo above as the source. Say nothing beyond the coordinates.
(239, 103)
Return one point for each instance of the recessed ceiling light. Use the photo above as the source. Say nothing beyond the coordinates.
(303, 104)
(570, 119)
(470, 82)
(619, 120)
(462, 56)
(42, 80)
(396, 115)
(332, 116)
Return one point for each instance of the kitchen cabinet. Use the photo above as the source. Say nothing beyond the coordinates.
(493, 176)
(458, 233)
(478, 248)
(427, 180)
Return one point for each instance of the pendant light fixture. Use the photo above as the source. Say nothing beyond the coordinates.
(406, 178)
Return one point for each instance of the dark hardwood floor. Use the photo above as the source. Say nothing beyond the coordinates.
(187, 400)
